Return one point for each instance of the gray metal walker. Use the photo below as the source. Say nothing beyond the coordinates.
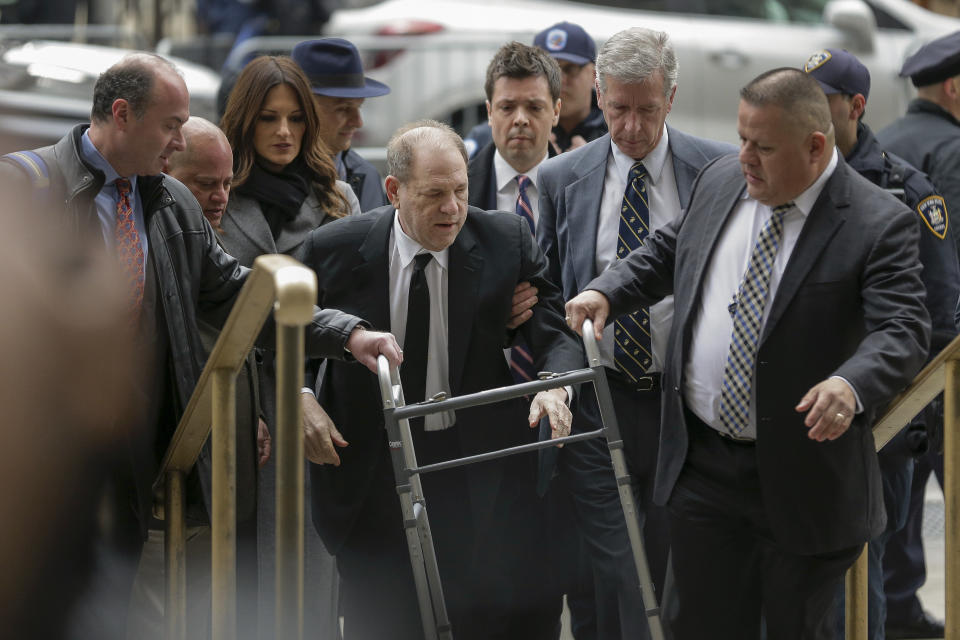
(433, 611)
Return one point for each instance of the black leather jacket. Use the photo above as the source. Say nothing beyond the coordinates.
(194, 276)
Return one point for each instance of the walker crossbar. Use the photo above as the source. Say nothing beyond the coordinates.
(423, 558)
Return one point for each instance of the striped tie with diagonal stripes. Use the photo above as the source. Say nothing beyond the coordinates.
(747, 309)
(631, 333)
(129, 249)
(521, 360)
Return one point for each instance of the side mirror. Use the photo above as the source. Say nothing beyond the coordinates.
(855, 19)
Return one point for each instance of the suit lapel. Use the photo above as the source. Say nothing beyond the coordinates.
(372, 273)
(247, 218)
(704, 232)
(712, 224)
(583, 197)
(826, 217)
(480, 175)
(463, 283)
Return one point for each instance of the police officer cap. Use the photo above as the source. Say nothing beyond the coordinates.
(567, 41)
(839, 71)
(934, 62)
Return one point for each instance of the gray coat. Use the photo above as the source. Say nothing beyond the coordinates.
(571, 190)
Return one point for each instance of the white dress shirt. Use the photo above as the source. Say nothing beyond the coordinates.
(713, 323)
(507, 189)
(403, 249)
(664, 202)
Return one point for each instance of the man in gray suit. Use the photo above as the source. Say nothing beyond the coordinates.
(798, 315)
(581, 196)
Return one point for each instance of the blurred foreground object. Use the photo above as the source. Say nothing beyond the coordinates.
(65, 367)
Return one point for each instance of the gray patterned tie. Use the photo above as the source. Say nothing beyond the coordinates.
(749, 303)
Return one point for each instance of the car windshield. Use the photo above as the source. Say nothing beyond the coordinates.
(804, 11)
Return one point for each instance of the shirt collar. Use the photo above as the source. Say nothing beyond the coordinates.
(506, 173)
(95, 159)
(805, 201)
(653, 162)
(408, 248)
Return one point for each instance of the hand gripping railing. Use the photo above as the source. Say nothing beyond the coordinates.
(280, 283)
(941, 374)
(397, 414)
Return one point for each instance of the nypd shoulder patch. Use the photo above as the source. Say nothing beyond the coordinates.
(933, 210)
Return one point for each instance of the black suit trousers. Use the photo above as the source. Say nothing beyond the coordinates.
(492, 583)
(586, 475)
(728, 569)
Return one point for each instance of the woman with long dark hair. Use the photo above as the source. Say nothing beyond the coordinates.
(285, 184)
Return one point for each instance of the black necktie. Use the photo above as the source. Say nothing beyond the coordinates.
(417, 336)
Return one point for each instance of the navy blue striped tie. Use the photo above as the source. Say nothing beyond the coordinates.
(631, 333)
(521, 360)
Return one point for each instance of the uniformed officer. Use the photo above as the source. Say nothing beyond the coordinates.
(846, 81)
(928, 137)
(581, 120)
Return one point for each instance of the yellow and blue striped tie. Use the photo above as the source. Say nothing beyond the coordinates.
(747, 310)
(631, 345)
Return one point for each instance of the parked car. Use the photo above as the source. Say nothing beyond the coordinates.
(46, 87)
(434, 53)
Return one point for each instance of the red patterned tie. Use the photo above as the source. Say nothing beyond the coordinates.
(129, 249)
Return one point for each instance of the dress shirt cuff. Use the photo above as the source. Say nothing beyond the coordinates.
(856, 396)
(569, 390)
(306, 390)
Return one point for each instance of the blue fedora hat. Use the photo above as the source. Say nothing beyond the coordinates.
(334, 68)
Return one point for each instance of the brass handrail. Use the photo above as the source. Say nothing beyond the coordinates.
(943, 372)
(276, 282)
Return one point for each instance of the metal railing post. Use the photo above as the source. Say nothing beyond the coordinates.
(281, 283)
(293, 310)
(857, 597)
(223, 520)
(951, 497)
(175, 555)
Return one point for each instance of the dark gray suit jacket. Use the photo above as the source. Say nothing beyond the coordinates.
(493, 252)
(850, 303)
(571, 191)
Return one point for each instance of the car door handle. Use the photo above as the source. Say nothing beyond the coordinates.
(729, 59)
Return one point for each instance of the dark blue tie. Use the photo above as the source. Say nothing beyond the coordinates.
(631, 347)
(521, 360)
